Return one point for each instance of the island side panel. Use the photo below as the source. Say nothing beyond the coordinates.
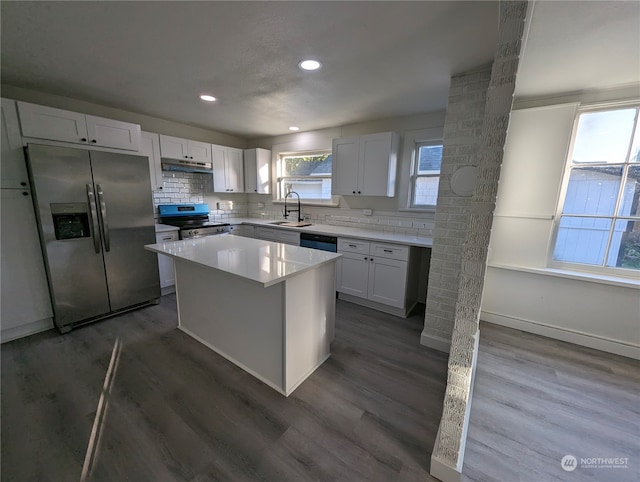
(239, 319)
(310, 305)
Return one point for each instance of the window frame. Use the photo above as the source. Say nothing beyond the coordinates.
(415, 175)
(602, 269)
(280, 178)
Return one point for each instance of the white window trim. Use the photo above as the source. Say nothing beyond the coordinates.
(582, 267)
(332, 202)
(411, 139)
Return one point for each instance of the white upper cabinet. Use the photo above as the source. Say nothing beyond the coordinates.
(177, 148)
(13, 169)
(257, 170)
(150, 147)
(43, 122)
(365, 165)
(228, 175)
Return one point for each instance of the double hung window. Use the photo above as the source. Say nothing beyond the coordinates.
(598, 223)
(425, 174)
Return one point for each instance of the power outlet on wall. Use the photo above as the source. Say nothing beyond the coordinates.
(367, 212)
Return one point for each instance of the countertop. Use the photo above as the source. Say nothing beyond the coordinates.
(343, 231)
(163, 228)
(263, 262)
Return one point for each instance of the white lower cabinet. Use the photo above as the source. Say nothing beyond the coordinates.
(165, 263)
(242, 230)
(379, 275)
(278, 235)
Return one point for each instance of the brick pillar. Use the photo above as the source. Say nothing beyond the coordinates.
(449, 448)
(462, 134)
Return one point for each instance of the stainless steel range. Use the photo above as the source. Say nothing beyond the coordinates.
(192, 219)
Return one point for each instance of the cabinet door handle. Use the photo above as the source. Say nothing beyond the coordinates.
(359, 192)
(25, 193)
(371, 259)
(365, 258)
(353, 192)
(84, 139)
(23, 183)
(93, 141)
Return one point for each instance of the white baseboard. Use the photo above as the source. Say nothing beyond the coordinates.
(435, 342)
(439, 468)
(572, 336)
(25, 330)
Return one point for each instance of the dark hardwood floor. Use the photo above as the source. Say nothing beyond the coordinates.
(132, 398)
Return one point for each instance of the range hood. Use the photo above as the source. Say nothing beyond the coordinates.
(183, 165)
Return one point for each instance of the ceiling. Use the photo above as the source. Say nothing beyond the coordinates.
(381, 59)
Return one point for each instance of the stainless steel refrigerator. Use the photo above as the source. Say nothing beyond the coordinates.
(95, 214)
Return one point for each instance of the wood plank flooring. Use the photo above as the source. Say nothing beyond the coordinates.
(165, 408)
(536, 400)
(162, 407)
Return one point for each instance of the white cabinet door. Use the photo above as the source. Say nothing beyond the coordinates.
(269, 234)
(228, 166)
(199, 151)
(219, 161)
(344, 166)
(289, 237)
(165, 263)
(25, 294)
(49, 123)
(365, 165)
(235, 170)
(13, 168)
(377, 166)
(112, 133)
(353, 278)
(150, 147)
(387, 281)
(257, 171)
(173, 147)
(44, 122)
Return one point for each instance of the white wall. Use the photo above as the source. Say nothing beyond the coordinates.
(520, 291)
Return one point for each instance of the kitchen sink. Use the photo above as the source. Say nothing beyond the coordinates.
(291, 224)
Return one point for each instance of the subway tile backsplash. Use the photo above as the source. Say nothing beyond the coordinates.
(183, 187)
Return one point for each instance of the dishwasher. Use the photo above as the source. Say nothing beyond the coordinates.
(319, 241)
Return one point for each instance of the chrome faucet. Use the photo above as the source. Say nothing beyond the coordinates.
(286, 211)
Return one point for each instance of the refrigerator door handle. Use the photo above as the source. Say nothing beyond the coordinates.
(93, 217)
(103, 218)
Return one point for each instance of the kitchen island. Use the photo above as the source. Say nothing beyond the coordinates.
(267, 307)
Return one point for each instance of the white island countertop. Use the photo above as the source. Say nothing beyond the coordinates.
(263, 262)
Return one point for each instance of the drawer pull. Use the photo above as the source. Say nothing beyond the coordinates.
(388, 250)
(353, 246)
(168, 239)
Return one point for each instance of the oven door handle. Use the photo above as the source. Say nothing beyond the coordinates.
(93, 218)
(103, 218)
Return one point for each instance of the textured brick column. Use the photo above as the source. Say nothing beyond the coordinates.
(449, 448)
(462, 135)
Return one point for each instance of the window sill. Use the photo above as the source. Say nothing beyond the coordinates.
(575, 275)
(303, 203)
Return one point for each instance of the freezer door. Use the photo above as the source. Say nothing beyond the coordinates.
(125, 209)
(61, 178)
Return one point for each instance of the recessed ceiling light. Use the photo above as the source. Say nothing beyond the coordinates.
(208, 98)
(294, 128)
(309, 64)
